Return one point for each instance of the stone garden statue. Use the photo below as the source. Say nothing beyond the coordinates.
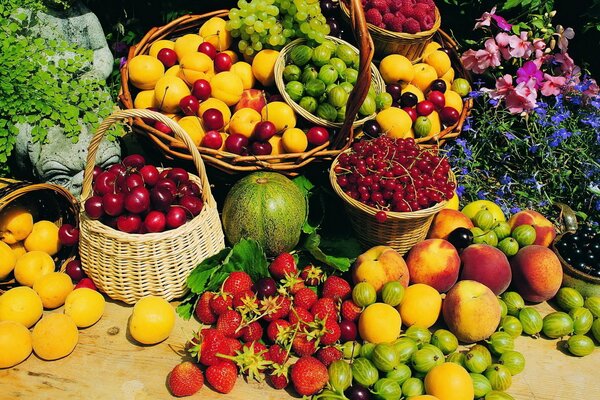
(59, 160)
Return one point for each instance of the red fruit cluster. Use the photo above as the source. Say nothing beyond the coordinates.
(286, 313)
(135, 197)
(395, 174)
(409, 16)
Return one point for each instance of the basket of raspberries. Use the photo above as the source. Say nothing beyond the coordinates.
(399, 26)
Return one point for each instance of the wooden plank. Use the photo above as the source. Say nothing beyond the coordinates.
(108, 364)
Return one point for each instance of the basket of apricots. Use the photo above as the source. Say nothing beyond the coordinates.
(192, 71)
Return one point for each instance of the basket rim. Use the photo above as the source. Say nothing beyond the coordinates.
(391, 215)
(280, 64)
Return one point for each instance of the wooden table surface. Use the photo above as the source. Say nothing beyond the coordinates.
(107, 364)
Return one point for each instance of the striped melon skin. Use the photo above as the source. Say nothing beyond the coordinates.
(266, 207)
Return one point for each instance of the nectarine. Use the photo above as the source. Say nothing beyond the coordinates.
(434, 262)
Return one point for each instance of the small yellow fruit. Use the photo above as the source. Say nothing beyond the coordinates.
(152, 320)
(449, 381)
(16, 224)
(244, 71)
(448, 77)
(145, 71)
(32, 266)
(294, 140)
(431, 47)
(243, 121)
(169, 91)
(396, 68)
(173, 71)
(214, 31)
(379, 323)
(394, 122)
(227, 87)
(8, 259)
(276, 148)
(159, 45)
(453, 203)
(453, 100)
(43, 237)
(53, 289)
(193, 127)
(436, 123)
(424, 75)
(54, 337)
(85, 306)
(440, 61)
(263, 66)
(233, 55)
(187, 44)
(21, 304)
(421, 305)
(145, 99)
(280, 114)
(471, 209)
(219, 105)
(415, 90)
(194, 66)
(15, 343)
(18, 248)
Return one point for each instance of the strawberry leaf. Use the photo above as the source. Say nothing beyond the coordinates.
(248, 255)
(312, 243)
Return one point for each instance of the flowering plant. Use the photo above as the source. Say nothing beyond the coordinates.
(533, 137)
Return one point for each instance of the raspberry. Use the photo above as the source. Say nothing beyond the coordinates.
(397, 24)
(350, 310)
(430, 3)
(411, 25)
(421, 10)
(405, 10)
(373, 16)
(426, 22)
(388, 18)
(305, 298)
(380, 5)
(327, 355)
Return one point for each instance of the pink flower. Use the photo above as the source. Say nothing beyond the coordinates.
(593, 89)
(539, 46)
(469, 60)
(520, 47)
(552, 85)
(480, 60)
(528, 72)
(502, 42)
(504, 85)
(567, 65)
(522, 98)
(564, 35)
(487, 17)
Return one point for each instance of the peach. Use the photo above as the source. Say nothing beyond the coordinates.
(434, 262)
(537, 273)
(446, 221)
(486, 264)
(251, 98)
(544, 230)
(471, 311)
(380, 265)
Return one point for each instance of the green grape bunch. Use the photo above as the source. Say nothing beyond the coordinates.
(271, 24)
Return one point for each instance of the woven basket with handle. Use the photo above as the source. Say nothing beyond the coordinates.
(127, 266)
(289, 164)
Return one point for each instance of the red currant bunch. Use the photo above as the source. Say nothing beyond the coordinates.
(395, 174)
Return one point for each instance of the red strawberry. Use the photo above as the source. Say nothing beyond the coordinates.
(229, 322)
(206, 344)
(308, 375)
(237, 282)
(301, 315)
(284, 264)
(303, 346)
(325, 308)
(278, 331)
(232, 346)
(331, 333)
(305, 298)
(185, 379)
(336, 288)
(275, 307)
(350, 310)
(312, 276)
(245, 299)
(257, 346)
(222, 376)
(221, 302)
(252, 332)
(276, 354)
(279, 376)
(293, 284)
(203, 311)
(329, 354)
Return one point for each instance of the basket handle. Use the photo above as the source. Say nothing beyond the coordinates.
(179, 132)
(363, 82)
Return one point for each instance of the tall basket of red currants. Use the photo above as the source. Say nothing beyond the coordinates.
(142, 228)
(392, 189)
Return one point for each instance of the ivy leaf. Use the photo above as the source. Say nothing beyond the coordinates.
(312, 243)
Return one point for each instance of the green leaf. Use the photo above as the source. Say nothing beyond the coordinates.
(304, 184)
(185, 309)
(248, 255)
(198, 278)
(511, 4)
(311, 244)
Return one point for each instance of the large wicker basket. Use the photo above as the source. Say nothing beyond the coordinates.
(46, 201)
(128, 267)
(401, 230)
(388, 42)
(289, 164)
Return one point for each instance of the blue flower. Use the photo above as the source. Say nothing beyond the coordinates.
(515, 210)
(474, 94)
(543, 203)
(494, 102)
(509, 136)
(481, 195)
(463, 143)
(505, 179)
(534, 148)
(460, 190)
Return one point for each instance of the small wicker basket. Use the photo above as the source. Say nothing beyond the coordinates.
(387, 42)
(128, 267)
(401, 230)
(282, 60)
(46, 202)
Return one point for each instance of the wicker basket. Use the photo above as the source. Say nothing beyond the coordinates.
(387, 42)
(289, 164)
(47, 202)
(401, 230)
(128, 267)
(282, 60)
